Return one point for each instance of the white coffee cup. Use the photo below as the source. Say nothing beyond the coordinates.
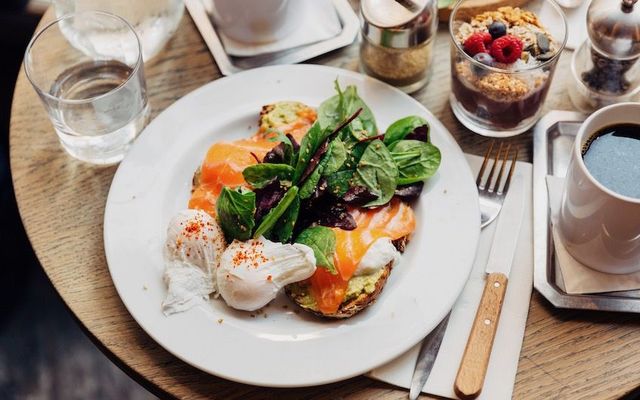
(257, 21)
(599, 227)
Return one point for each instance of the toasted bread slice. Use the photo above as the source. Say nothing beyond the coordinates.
(282, 113)
(300, 294)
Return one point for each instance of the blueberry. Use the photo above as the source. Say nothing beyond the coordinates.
(497, 29)
(484, 58)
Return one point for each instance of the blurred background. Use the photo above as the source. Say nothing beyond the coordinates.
(44, 354)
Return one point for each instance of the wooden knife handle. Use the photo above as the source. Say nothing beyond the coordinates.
(475, 360)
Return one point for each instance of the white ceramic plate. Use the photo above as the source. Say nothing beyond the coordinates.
(283, 347)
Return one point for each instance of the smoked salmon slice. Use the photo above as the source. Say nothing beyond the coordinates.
(394, 220)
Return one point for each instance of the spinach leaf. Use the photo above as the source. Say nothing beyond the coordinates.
(354, 153)
(416, 160)
(310, 143)
(335, 109)
(323, 242)
(335, 157)
(402, 127)
(352, 102)
(338, 183)
(378, 172)
(235, 209)
(330, 163)
(332, 110)
(283, 229)
(309, 185)
(259, 175)
(272, 217)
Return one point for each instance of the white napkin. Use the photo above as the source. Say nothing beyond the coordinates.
(320, 22)
(503, 364)
(577, 277)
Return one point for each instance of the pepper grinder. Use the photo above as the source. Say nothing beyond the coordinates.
(605, 68)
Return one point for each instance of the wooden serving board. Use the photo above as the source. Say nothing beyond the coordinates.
(474, 7)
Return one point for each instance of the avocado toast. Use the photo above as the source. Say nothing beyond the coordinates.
(327, 179)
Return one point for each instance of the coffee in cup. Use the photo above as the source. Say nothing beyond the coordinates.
(599, 221)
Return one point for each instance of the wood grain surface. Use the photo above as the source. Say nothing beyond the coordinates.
(475, 360)
(566, 354)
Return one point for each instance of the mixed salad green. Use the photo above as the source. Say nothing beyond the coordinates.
(299, 191)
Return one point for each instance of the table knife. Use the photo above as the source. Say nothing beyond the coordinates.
(427, 357)
(475, 360)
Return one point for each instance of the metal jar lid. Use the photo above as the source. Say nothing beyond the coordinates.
(614, 28)
(398, 23)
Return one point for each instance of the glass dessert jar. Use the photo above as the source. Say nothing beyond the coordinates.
(397, 41)
(502, 63)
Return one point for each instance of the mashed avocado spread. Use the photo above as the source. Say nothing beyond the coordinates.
(357, 286)
(281, 113)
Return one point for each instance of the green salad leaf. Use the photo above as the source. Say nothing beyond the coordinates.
(335, 109)
(283, 229)
(235, 209)
(323, 242)
(309, 185)
(332, 110)
(335, 157)
(354, 153)
(378, 172)
(402, 127)
(338, 183)
(310, 143)
(330, 163)
(259, 175)
(269, 220)
(416, 160)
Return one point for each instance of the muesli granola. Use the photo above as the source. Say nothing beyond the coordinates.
(513, 45)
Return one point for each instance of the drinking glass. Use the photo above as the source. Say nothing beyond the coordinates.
(93, 86)
(501, 102)
(155, 21)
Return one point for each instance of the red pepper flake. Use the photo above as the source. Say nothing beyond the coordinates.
(269, 278)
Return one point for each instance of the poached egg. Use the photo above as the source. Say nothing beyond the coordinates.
(251, 273)
(379, 254)
(193, 248)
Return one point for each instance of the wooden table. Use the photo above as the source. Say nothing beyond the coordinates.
(566, 354)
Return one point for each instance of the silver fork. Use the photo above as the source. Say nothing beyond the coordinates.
(491, 196)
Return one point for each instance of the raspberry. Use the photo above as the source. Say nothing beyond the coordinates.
(506, 49)
(479, 42)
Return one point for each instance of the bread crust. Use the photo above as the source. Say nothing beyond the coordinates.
(350, 308)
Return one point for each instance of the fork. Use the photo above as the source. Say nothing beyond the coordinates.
(491, 197)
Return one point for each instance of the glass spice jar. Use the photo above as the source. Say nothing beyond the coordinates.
(397, 41)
